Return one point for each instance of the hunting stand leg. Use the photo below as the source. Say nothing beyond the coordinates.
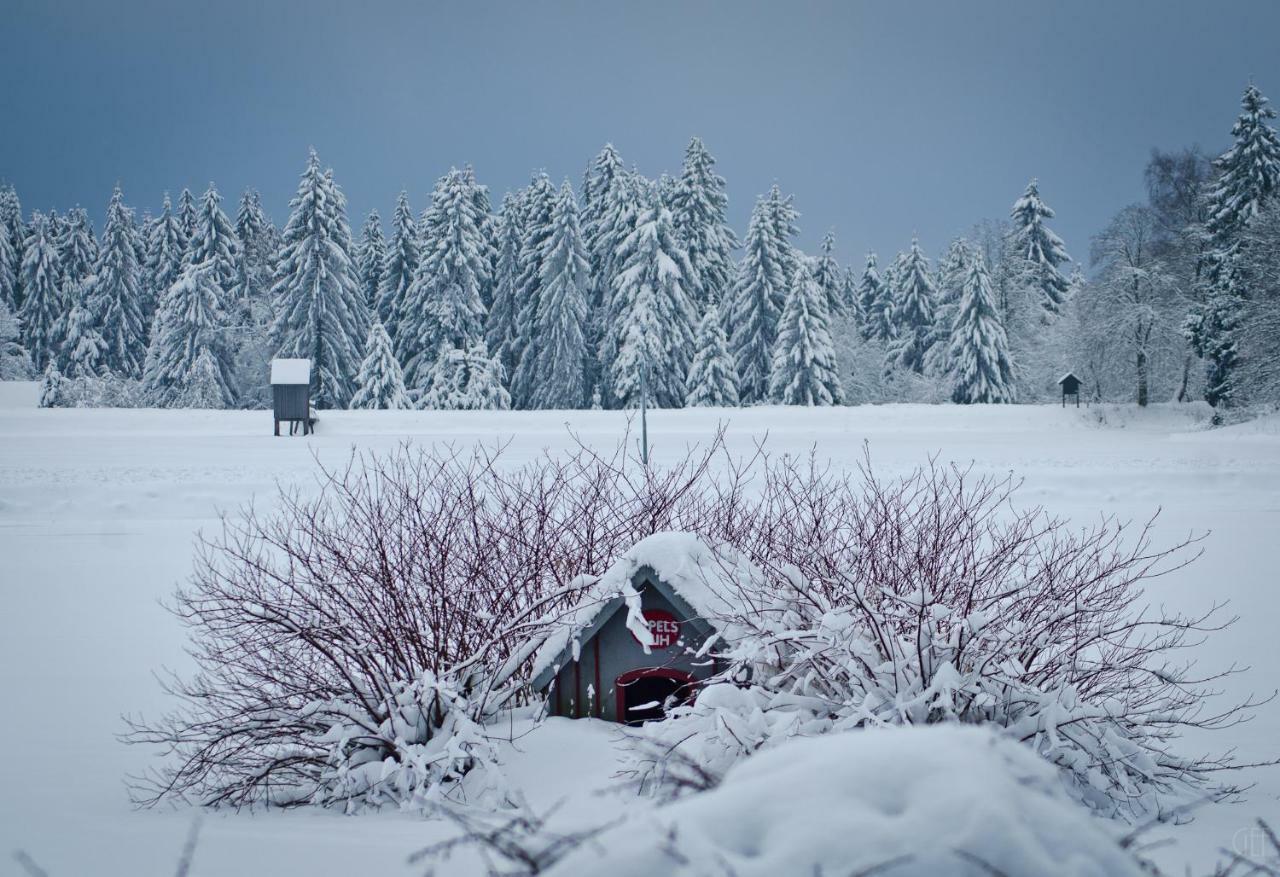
(277, 428)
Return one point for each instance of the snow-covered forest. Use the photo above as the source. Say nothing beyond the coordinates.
(583, 297)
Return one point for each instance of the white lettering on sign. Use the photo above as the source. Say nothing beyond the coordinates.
(664, 629)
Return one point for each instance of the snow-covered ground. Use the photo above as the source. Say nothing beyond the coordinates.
(98, 510)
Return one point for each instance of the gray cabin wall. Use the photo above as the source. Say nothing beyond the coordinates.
(614, 651)
(291, 401)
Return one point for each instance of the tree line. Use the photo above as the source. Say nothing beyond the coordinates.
(570, 299)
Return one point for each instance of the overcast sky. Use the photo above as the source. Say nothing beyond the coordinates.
(883, 119)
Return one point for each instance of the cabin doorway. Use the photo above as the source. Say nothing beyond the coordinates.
(645, 695)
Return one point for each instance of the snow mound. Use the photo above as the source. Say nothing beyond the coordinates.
(930, 800)
(1162, 417)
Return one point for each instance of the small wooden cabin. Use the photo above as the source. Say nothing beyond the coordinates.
(1070, 387)
(602, 670)
(291, 394)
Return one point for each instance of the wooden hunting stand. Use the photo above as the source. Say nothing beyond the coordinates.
(1070, 387)
(291, 394)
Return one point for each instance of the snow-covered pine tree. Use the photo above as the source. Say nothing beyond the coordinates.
(465, 380)
(84, 352)
(500, 325)
(804, 361)
(53, 386)
(562, 317)
(1040, 249)
(10, 270)
(483, 209)
(77, 249)
(758, 296)
(953, 267)
(204, 387)
(830, 279)
(1248, 172)
(166, 251)
(401, 264)
(42, 305)
(656, 313)
(698, 211)
(320, 314)
(115, 296)
(852, 301)
(192, 323)
(783, 215)
(188, 215)
(712, 381)
(443, 304)
(14, 231)
(980, 364)
(214, 243)
(539, 206)
(914, 311)
(15, 362)
(876, 298)
(380, 382)
(255, 236)
(370, 258)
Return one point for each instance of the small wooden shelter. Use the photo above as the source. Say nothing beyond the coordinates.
(291, 394)
(1070, 387)
(599, 667)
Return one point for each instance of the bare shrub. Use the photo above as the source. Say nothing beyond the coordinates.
(353, 642)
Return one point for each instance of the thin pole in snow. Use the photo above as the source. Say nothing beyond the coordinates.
(644, 411)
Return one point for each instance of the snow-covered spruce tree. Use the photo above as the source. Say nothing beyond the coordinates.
(482, 206)
(1216, 336)
(783, 215)
(191, 327)
(166, 253)
(42, 305)
(371, 256)
(249, 308)
(500, 324)
(15, 362)
(712, 381)
(380, 382)
(608, 216)
(758, 297)
(829, 277)
(629, 197)
(14, 231)
(980, 364)
(115, 292)
(467, 380)
(443, 304)
(401, 264)
(914, 312)
(804, 361)
(205, 385)
(84, 352)
(953, 267)
(562, 317)
(1041, 251)
(852, 300)
(53, 388)
(320, 314)
(188, 214)
(213, 243)
(10, 268)
(78, 250)
(876, 297)
(655, 330)
(1248, 172)
(539, 206)
(698, 210)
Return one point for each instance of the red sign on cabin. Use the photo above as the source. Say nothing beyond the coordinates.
(664, 629)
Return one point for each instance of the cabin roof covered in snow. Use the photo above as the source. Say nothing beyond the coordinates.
(1064, 378)
(290, 371)
(694, 578)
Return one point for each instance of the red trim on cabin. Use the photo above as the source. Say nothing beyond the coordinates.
(620, 684)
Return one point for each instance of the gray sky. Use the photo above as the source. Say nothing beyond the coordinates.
(883, 119)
